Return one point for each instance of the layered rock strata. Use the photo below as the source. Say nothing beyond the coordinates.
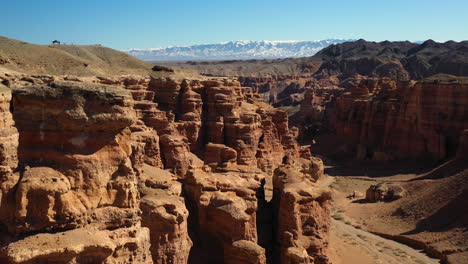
(223, 215)
(144, 171)
(8, 135)
(389, 120)
(301, 211)
(74, 185)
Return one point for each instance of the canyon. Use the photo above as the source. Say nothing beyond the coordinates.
(138, 169)
(386, 117)
(298, 162)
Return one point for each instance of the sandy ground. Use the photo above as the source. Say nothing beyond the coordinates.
(350, 245)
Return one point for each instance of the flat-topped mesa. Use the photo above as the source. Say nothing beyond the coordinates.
(406, 119)
(75, 176)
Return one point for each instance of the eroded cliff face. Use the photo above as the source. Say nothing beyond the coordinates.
(383, 119)
(389, 120)
(73, 197)
(8, 134)
(145, 170)
(301, 211)
(220, 112)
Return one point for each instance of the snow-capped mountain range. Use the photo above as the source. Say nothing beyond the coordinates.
(235, 50)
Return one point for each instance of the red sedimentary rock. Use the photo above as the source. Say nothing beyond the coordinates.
(76, 178)
(147, 171)
(301, 215)
(224, 206)
(403, 120)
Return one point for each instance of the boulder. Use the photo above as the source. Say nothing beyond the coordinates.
(384, 192)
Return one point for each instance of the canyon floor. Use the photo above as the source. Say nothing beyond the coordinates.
(350, 245)
(356, 222)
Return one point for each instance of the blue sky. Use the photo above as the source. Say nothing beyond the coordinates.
(122, 24)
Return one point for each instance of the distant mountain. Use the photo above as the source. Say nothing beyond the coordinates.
(235, 50)
(400, 60)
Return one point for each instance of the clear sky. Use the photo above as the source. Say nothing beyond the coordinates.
(123, 24)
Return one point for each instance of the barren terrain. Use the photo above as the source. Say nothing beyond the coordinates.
(431, 218)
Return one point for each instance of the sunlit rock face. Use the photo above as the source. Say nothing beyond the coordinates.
(391, 120)
(74, 177)
(144, 170)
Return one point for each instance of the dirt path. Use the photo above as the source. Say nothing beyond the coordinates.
(350, 245)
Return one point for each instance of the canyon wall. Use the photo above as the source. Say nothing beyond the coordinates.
(301, 212)
(72, 198)
(382, 119)
(150, 170)
(388, 120)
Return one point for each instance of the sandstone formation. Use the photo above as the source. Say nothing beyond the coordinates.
(384, 192)
(376, 100)
(164, 213)
(224, 207)
(219, 112)
(74, 177)
(150, 170)
(8, 135)
(389, 120)
(301, 213)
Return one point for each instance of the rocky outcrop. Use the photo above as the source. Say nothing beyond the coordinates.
(82, 245)
(164, 213)
(301, 215)
(403, 120)
(384, 192)
(8, 135)
(219, 155)
(314, 113)
(74, 177)
(243, 251)
(223, 211)
(81, 132)
(8, 154)
(219, 112)
(284, 90)
(145, 171)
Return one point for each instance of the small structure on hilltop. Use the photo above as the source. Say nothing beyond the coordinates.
(56, 42)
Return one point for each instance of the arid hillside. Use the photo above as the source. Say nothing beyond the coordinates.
(74, 60)
(250, 68)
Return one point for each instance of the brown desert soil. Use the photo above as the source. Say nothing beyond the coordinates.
(432, 216)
